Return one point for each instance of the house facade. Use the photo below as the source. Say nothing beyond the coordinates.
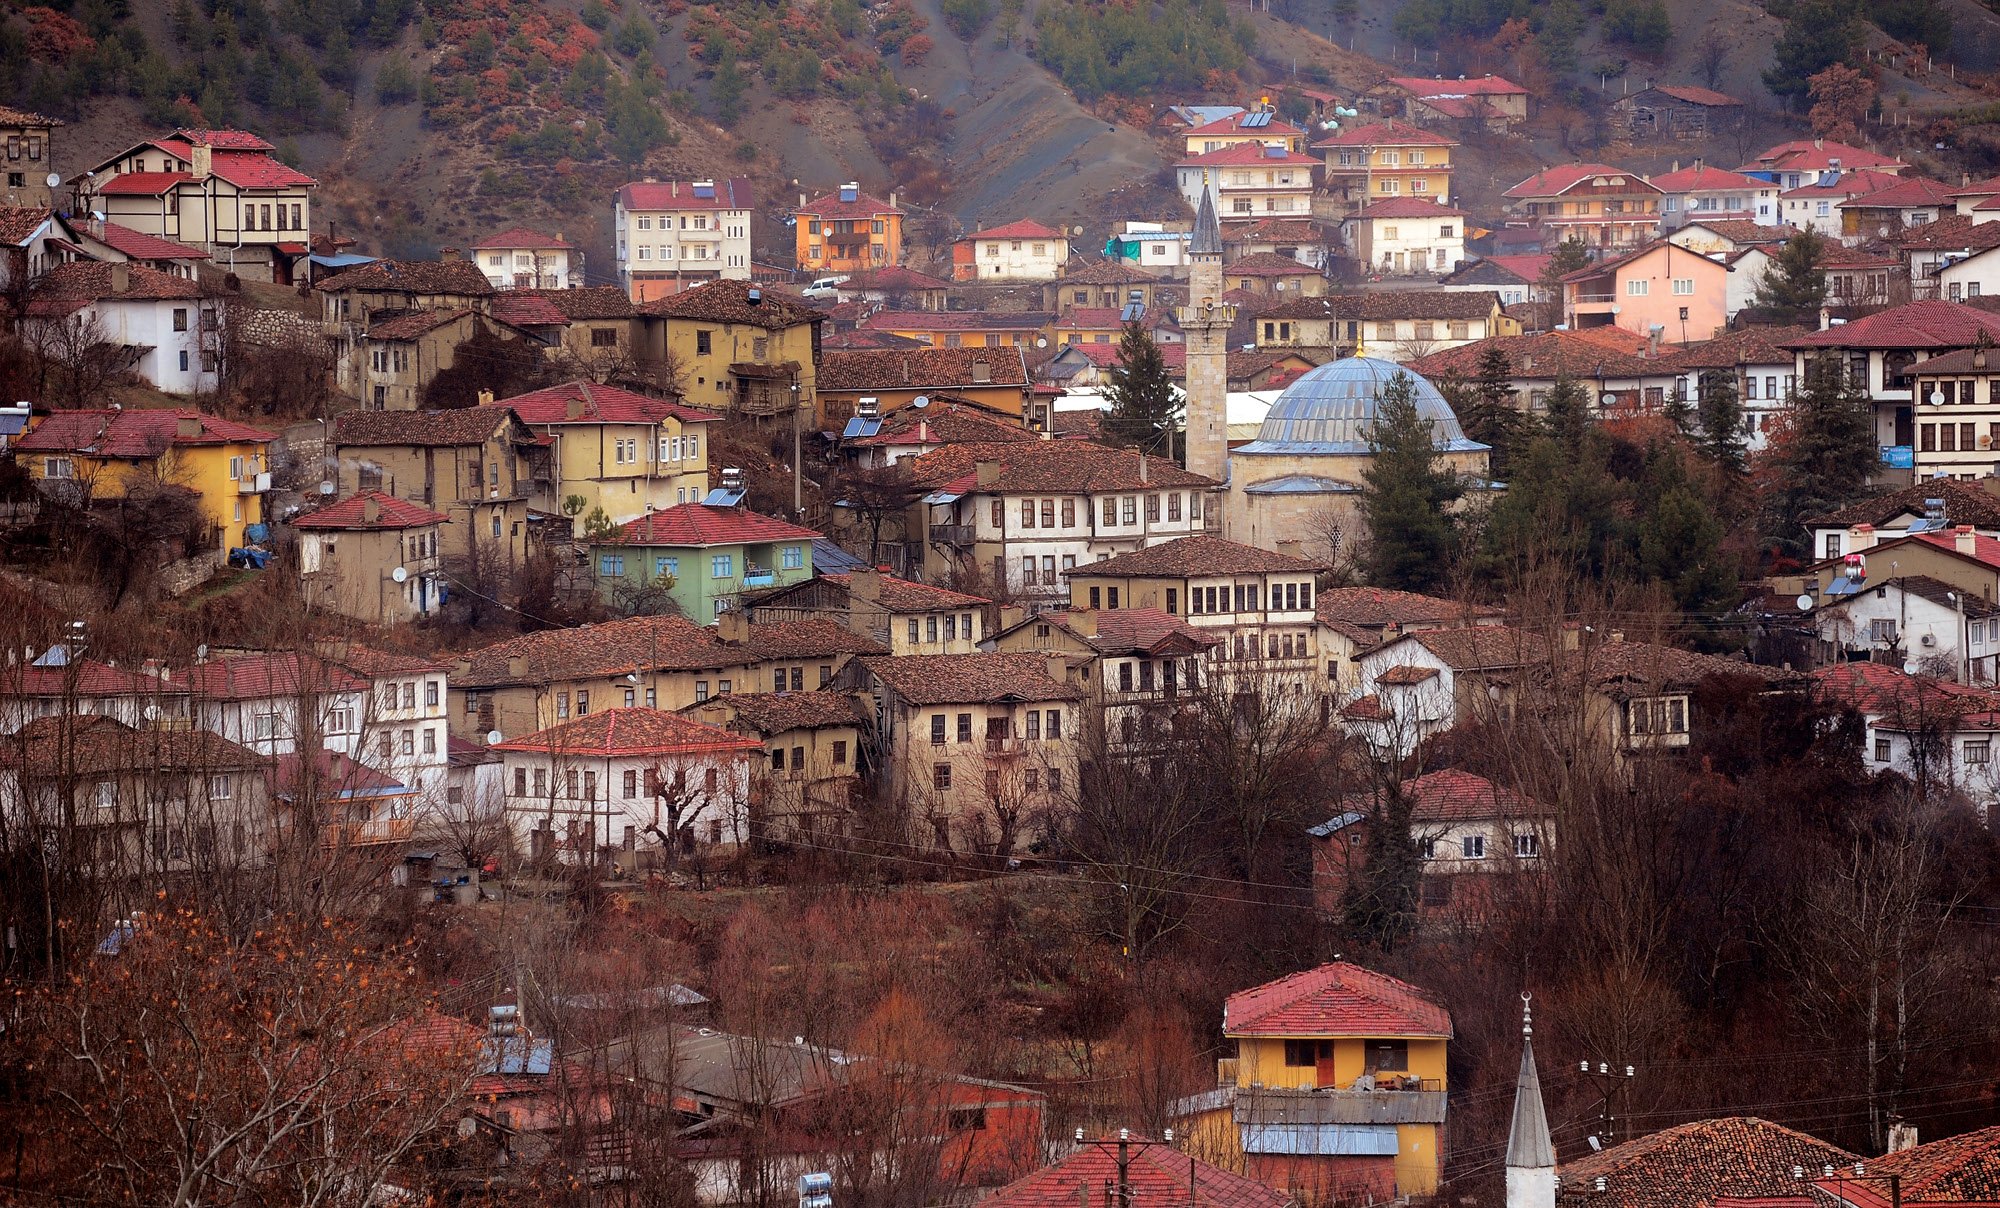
(1014, 251)
(1414, 236)
(905, 616)
(1660, 289)
(477, 465)
(165, 329)
(1250, 181)
(700, 557)
(671, 235)
(847, 231)
(1385, 160)
(738, 347)
(521, 258)
(372, 557)
(614, 455)
(805, 786)
(29, 142)
(1701, 192)
(1607, 208)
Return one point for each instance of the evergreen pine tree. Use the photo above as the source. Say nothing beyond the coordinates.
(1406, 494)
(1794, 281)
(1380, 898)
(1489, 414)
(1821, 458)
(1818, 34)
(727, 88)
(1567, 420)
(1719, 418)
(1680, 537)
(1569, 256)
(1144, 410)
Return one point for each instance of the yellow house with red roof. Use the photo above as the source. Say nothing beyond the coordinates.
(108, 454)
(1605, 207)
(1386, 159)
(1259, 127)
(1337, 1089)
(614, 455)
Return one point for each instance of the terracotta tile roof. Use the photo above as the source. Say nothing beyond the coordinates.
(262, 676)
(1743, 230)
(727, 301)
(1364, 708)
(1951, 231)
(135, 434)
(523, 237)
(807, 639)
(437, 429)
(1197, 556)
(412, 324)
(630, 732)
(84, 677)
(1268, 264)
(1275, 230)
(1451, 795)
(1847, 184)
(589, 302)
(335, 775)
(958, 320)
(1545, 355)
(1265, 368)
(1702, 177)
(1650, 667)
(90, 744)
(1552, 182)
(1908, 191)
(1417, 304)
(1090, 318)
(1746, 346)
(1158, 1176)
(142, 184)
(601, 404)
(769, 713)
(354, 513)
(1105, 355)
(1480, 647)
(1805, 154)
(1145, 630)
(1390, 133)
(1405, 675)
(868, 341)
(940, 679)
(95, 280)
(1525, 270)
(1487, 85)
(945, 424)
(1840, 256)
(1931, 324)
(1409, 207)
(903, 595)
(1380, 606)
(636, 643)
(1067, 466)
(455, 276)
(1249, 153)
(1878, 690)
(19, 223)
(1964, 1169)
(1026, 228)
(1108, 272)
(733, 193)
(23, 117)
(526, 310)
(1696, 96)
(830, 206)
(1964, 503)
(938, 368)
(140, 246)
(1335, 999)
(1688, 1166)
(698, 524)
(257, 170)
(376, 663)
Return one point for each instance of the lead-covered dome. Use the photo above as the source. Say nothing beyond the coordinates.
(1332, 409)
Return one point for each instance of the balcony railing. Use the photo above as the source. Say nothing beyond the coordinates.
(951, 534)
(1268, 1107)
(378, 830)
(1003, 744)
(758, 576)
(1595, 299)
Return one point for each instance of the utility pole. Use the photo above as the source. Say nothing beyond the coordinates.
(1610, 1083)
(798, 488)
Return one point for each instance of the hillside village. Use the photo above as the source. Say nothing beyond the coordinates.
(1374, 668)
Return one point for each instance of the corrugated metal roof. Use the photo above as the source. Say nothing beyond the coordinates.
(1323, 1140)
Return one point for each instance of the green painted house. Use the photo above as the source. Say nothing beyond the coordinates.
(701, 557)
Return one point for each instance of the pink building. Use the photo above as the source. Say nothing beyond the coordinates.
(1682, 295)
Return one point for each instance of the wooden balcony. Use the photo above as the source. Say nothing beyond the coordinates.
(361, 834)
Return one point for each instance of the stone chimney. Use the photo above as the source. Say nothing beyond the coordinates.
(1083, 621)
(1963, 539)
(1860, 538)
(485, 398)
(1058, 668)
(203, 162)
(865, 583)
(575, 409)
(988, 472)
(371, 509)
(733, 626)
(121, 278)
(1902, 1136)
(517, 666)
(187, 427)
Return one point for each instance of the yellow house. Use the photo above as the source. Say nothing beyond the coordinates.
(616, 455)
(737, 346)
(1381, 160)
(1337, 1089)
(104, 454)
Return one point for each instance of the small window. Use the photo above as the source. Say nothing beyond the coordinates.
(1473, 847)
(1881, 750)
(1527, 845)
(941, 777)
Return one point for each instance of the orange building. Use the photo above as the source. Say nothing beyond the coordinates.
(848, 231)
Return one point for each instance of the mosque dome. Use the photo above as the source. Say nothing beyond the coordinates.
(1332, 408)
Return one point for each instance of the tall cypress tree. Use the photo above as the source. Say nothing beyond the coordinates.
(1144, 412)
(1822, 457)
(1406, 494)
(1793, 281)
(1719, 422)
(1380, 899)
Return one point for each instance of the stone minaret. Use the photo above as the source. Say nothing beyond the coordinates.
(1206, 320)
(1531, 1156)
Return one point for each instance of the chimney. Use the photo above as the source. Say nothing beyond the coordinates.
(575, 409)
(865, 583)
(892, 199)
(517, 666)
(1902, 1136)
(733, 626)
(1615, 636)
(203, 161)
(1962, 539)
(121, 278)
(485, 398)
(1292, 549)
(674, 188)
(371, 509)
(1144, 478)
(1011, 615)
(802, 201)
(1057, 667)
(988, 472)
(1860, 538)
(187, 427)
(1083, 621)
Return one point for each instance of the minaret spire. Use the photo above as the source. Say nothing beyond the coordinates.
(1531, 1155)
(1205, 323)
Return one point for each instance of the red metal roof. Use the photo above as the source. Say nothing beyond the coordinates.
(1857, 183)
(1810, 154)
(1906, 192)
(1930, 324)
(700, 524)
(730, 194)
(143, 184)
(631, 732)
(1404, 207)
(353, 512)
(1488, 85)
(1390, 133)
(1550, 182)
(220, 140)
(599, 404)
(1158, 1176)
(257, 170)
(1702, 176)
(138, 245)
(1233, 124)
(1336, 999)
(135, 434)
(831, 206)
(1247, 153)
(523, 237)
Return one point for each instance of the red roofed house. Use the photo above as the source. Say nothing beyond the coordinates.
(905, 616)
(114, 244)
(1250, 181)
(1802, 161)
(1701, 192)
(1961, 557)
(1131, 1171)
(1731, 1162)
(616, 454)
(1678, 111)
(1815, 203)
(1934, 731)
(1912, 201)
(1381, 161)
(223, 191)
(1960, 1170)
(372, 557)
(1462, 823)
(136, 319)
(1142, 668)
(1489, 100)
(520, 258)
(1337, 1088)
(1882, 352)
(848, 231)
(30, 142)
(1420, 236)
(701, 558)
(1659, 290)
(625, 781)
(1258, 127)
(1608, 208)
(103, 455)
(675, 234)
(1015, 251)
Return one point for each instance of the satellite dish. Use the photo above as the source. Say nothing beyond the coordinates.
(1041, 341)
(492, 736)
(1937, 397)
(1609, 399)
(327, 487)
(921, 401)
(152, 712)
(1805, 603)
(201, 653)
(52, 180)
(399, 575)
(1911, 667)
